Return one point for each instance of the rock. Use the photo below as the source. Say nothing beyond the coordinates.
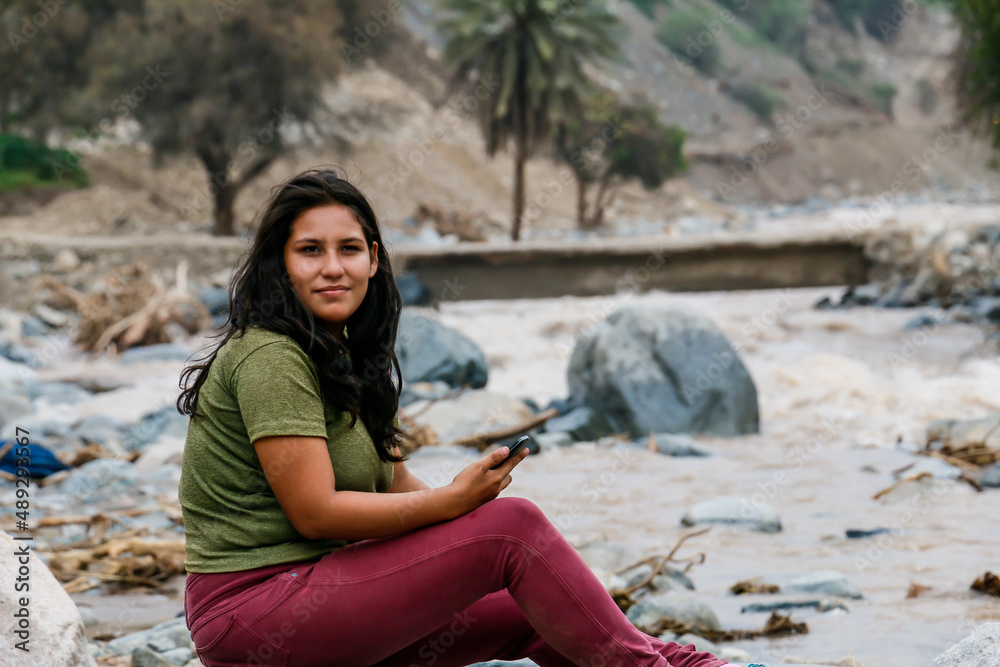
(66, 260)
(914, 488)
(411, 290)
(780, 605)
(160, 352)
(734, 510)
(178, 656)
(960, 433)
(54, 630)
(553, 440)
(165, 421)
(652, 369)
(919, 322)
(12, 406)
(826, 582)
(423, 391)
(980, 649)
(38, 427)
(56, 392)
(99, 479)
(636, 574)
(33, 327)
(985, 307)
(734, 655)
(14, 376)
(167, 449)
(215, 300)
(699, 642)
(50, 316)
(471, 412)
(580, 423)
(146, 657)
(607, 556)
(991, 477)
(932, 466)
(100, 429)
(674, 444)
(169, 635)
(678, 606)
(88, 617)
(859, 533)
(430, 351)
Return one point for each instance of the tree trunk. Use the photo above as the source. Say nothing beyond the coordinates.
(520, 156)
(581, 203)
(225, 219)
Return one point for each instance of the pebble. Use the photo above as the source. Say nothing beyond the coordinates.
(991, 477)
(678, 606)
(736, 511)
(826, 582)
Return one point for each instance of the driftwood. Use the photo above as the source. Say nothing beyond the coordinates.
(755, 585)
(484, 440)
(989, 584)
(130, 306)
(131, 561)
(777, 625)
(623, 596)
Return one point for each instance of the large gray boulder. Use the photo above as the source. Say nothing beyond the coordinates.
(660, 369)
(980, 649)
(428, 351)
(51, 623)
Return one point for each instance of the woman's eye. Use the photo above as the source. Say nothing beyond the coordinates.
(352, 248)
(310, 248)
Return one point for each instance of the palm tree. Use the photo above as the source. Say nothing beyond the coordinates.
(536, 50)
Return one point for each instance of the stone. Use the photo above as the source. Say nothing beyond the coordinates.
(580, 423)
(12, 406)
(554, 440)
(146, 657)
(169, 635)
(674, 444)
(826, 582)
(412, 290)
(50, 316)
(699, 642)
(165, 421)
(471, 412)
(607, 556)
(960, 433)
(991, 477)
(736, 511)
(429, 351)
(14, 376)
(979, 649)
(215, 300)
(159, 352)
(423, 391)
(100, 429)
(167, 449)
(675, 605)
(66, 260)
(733, 655)
(99, 479)
(781, 605)
(919, 322)
(860, 533)
(56, 392)
(655, 369)
(178, 656)
(56, 635)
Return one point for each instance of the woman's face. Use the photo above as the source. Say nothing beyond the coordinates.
(329, 263)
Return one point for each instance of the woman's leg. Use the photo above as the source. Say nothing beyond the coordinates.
(367, 602)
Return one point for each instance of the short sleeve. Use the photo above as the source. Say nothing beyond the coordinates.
(278, 392)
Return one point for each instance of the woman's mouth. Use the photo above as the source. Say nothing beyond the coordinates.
(336, 290)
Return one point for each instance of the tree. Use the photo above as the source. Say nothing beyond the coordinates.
(977, 80)
(225, 79)
(536, 50)
(610, 144)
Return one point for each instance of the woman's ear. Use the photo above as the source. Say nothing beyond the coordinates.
(374, 254)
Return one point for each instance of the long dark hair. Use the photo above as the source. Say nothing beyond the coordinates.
(367, 381)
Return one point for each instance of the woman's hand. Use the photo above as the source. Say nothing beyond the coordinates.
(477, 484)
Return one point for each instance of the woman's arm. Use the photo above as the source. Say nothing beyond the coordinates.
(301, 476)
(402, 480)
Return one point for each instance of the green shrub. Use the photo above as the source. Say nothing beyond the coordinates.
(781, 21)
(759, 97)
(648, 7)
(685, 33)
(25, 163)
(882, 95)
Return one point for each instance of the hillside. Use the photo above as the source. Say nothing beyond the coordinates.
(383, 117)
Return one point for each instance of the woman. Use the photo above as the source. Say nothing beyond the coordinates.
(308, 541)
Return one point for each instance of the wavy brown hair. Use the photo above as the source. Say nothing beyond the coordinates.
(366, 381)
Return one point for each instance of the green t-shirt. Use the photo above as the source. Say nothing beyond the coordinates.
(261, 384)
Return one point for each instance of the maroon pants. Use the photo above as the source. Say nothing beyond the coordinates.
(497, 583)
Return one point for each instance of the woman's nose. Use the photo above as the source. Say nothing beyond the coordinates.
(332, 265)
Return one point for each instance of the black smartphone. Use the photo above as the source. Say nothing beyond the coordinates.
(521, 443)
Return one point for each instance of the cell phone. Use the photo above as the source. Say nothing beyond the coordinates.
(521, 443)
